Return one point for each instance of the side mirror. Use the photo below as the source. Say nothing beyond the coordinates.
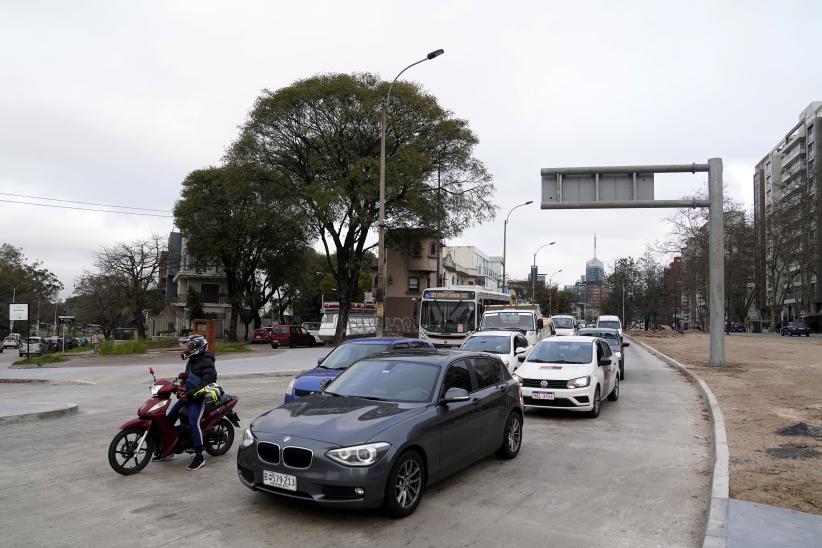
(151, 370)
(454, 394)
(604, 362)
(521, 357)
(520, 350)
(540, 323)
(325, 382)
(625, 345)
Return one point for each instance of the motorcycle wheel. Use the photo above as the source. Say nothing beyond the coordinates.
(123, 454)
(219, 439)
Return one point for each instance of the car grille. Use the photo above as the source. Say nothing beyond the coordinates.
(297, 457)
(269, 452)
(536, 383)
(558, 402)
(300, 392)
(339, 492)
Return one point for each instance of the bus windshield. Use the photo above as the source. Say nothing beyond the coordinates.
(447, 316)
(508, 320)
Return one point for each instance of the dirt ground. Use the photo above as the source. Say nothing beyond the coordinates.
(771, 396)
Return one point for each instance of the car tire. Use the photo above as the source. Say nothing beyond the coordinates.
(614, 395)
(511, 437)
(594, 413)
(622, 371)
(408, 471)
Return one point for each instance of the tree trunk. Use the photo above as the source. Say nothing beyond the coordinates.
(234, 298)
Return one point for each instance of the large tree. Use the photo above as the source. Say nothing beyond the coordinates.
(101, 299)
(240, 216)
(135, 266)
(321, 136)
(24, 280)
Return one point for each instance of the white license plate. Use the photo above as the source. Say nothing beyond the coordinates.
(282, 481)
(543, 395)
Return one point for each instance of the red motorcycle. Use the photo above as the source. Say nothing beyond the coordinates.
(151, 434)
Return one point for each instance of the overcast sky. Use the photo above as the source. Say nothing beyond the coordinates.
(116, 101)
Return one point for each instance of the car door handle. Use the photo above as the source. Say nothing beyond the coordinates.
(475, 401)
(502, 388)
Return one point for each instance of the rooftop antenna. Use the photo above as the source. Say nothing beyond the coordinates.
(595, 245)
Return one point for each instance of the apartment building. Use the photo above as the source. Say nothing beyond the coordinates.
(468, 265)
(787, 214)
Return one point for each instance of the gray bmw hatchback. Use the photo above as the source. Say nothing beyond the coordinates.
(384, 430)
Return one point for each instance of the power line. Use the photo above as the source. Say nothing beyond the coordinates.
(90, 209)
(84, 203)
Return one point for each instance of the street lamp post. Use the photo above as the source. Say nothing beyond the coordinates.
(534, 270)
(381, 225)
(550, 290)
(505, 240)
(13, 299)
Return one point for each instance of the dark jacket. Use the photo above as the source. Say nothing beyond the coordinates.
(202, 365)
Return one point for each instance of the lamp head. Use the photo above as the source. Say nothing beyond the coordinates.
(529, 202)
(435, 53)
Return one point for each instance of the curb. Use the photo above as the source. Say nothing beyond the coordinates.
(45, 381)
(68, 409)
(716, 522)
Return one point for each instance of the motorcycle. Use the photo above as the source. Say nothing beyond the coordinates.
(151, 434)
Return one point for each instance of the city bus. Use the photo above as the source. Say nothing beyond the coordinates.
(448, 315)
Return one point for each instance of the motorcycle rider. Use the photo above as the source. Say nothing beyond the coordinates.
(200, 372)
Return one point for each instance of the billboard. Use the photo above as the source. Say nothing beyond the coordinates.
(18, 312)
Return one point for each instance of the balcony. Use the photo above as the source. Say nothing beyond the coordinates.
(794, 152)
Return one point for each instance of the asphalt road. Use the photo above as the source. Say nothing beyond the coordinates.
(636, 476)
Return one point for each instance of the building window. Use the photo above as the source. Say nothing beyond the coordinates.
(433, 249)
(416, 249)
(210, 293)
(413, 283)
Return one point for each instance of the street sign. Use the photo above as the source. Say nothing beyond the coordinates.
(18, 311)
(65, 319)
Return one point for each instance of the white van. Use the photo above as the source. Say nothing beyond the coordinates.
(524, 318)
(564, 324)
(611, 322)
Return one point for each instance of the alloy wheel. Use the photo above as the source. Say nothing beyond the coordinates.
(409, 481)
(514, 434)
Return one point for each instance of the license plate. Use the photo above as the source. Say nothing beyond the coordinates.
(282, 481)
(543, 395)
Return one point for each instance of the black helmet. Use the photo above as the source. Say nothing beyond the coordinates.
(195, 344)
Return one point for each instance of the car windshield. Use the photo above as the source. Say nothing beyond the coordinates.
(508, 320)
(346, 354)
(563, 323)
(497, 344)
(387, 380)
(609, 324)
(447, 316)
(799, 324)
(561, 352)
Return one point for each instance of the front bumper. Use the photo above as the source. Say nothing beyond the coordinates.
(324, 482)
(575, 399)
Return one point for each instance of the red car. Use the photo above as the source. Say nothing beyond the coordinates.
(291, 335)
(261, 335)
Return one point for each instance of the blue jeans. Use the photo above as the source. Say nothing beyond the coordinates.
(195, 413)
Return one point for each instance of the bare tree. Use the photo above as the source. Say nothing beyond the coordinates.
(135, 266)
(782, 256)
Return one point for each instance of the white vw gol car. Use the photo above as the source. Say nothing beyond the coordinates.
(570, 372)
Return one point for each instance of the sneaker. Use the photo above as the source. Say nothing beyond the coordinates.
(197, 462)
(159, 458)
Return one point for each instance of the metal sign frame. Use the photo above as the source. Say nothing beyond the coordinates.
(630, 188)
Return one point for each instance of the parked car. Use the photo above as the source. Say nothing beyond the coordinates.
(290, 335)
(611, 322)
(796, 328)
(574, 373)
(31, 346)
(10, 342)
(54, 344)
(610, 336)
(314, 329)
(506, 345)
(342, 357)
(565, 325)
(384, 430)
(736, 327)
(261, 335)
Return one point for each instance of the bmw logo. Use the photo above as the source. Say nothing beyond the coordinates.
(544, 384)
(286, 439)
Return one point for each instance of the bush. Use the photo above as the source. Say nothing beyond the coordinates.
(232, 347)
(109, 348)
(40, 360)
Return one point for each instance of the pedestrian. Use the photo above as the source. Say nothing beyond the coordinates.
(97, 340)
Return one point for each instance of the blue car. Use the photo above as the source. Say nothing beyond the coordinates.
(343, 357)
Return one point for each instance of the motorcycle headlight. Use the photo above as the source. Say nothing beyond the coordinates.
(359, 455)
(580, 382)
(155, 388)
(159, 405)
(290, 388)
(248, 437)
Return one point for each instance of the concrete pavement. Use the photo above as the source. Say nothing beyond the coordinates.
(636, 476)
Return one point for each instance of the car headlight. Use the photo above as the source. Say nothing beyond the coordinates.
(359, 455)
(248, 437)
(159, 405)
(618, 355)
(290, 388)
(579, 382)
(517, 378)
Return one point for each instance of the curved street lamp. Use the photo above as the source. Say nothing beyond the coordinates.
(381, 224)
(550, 287)
(534, 270)
(505, 239)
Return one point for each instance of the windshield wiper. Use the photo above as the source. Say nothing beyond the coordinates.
(565, 361)
(333, 394)
(537, 360)
(375, 398)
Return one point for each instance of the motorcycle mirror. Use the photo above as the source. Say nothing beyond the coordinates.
(151, 370)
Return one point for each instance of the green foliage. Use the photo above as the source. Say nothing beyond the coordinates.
(194, 304)
(232, 347)
(114, 348)
(45, 359)
(28, 279)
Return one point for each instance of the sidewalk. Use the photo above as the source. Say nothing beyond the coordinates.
(12, 412)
